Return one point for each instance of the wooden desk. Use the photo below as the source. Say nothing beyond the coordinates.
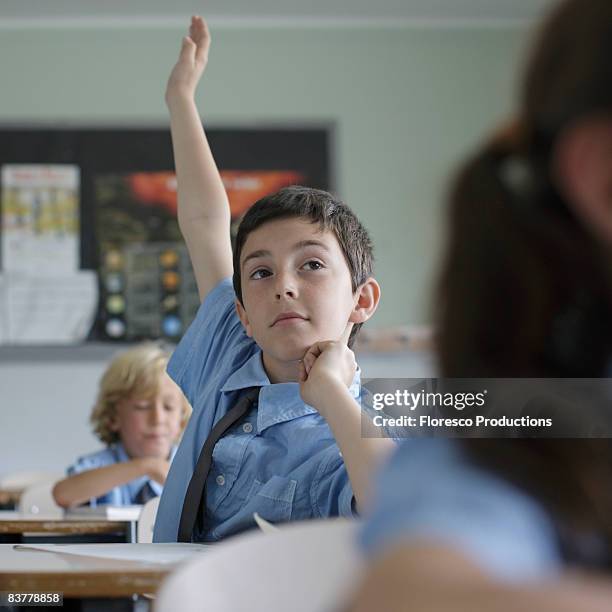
(15, 529)
(75, 576)
(78, 576)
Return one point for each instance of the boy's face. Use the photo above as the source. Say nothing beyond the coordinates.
(149, 427)
(296, 288)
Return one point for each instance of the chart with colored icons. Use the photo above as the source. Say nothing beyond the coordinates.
(147, 288)
(115, 193)
(148, 291)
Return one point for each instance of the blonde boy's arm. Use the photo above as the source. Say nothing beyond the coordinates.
(203, 206)
(80, 488)
(423, 576)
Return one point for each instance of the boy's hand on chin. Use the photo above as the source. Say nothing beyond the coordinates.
(326, 366)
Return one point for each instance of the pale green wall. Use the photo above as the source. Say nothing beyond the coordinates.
(406, 104)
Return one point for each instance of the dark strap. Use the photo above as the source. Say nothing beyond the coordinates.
(195, 496)
(144, 494)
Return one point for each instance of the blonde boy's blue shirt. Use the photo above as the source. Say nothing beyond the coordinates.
(123, 495)
(281, 460)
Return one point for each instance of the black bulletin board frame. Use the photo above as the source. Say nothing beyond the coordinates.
(115, 149)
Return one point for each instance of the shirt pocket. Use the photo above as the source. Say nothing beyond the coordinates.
(273, 500)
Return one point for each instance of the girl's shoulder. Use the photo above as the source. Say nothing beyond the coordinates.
(430, 489)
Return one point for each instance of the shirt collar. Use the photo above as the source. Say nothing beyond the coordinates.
(250, 374)
(277, 403)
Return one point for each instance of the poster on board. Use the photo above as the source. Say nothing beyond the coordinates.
(44, 297)
(146, 282)
(90, 249)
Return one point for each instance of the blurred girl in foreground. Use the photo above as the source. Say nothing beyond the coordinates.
(524, 291)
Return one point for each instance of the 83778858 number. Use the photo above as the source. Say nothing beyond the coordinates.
(8, 598)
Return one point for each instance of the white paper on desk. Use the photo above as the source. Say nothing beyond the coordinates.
(47, 309)
(264, 525)
(156, 554)
(107, 511)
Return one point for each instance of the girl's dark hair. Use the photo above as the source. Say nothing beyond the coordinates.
(524, 288)
(569, 73)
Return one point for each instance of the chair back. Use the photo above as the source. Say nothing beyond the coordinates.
(146, 521)
(310, 566)
(37, 499)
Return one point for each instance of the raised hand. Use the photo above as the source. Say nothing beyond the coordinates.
(191, 63)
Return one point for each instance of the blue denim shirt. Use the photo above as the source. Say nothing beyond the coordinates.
(281, 460)
(430, 491)
(118, 496)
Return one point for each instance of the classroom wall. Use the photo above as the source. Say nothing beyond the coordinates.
(405, 104)
(45, 407)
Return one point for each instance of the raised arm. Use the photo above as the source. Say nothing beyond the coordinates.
(80, 488)
(203, 207)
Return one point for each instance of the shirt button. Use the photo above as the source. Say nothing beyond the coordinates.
(220, 480)
(247, 427)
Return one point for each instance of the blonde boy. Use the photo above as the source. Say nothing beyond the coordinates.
(139, 414)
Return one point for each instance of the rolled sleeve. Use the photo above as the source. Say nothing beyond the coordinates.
(215, 327)
(85, 464)
(90, 462)
(76, 468)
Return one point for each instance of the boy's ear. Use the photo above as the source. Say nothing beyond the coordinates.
(368, 296)
(244, 319)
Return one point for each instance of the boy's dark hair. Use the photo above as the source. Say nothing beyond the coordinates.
(319, 207)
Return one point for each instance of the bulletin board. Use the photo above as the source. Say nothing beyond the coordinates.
(90, 245)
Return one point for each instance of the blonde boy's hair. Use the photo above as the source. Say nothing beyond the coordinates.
(135, 373)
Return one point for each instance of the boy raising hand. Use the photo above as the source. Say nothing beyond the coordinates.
(277, 317)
